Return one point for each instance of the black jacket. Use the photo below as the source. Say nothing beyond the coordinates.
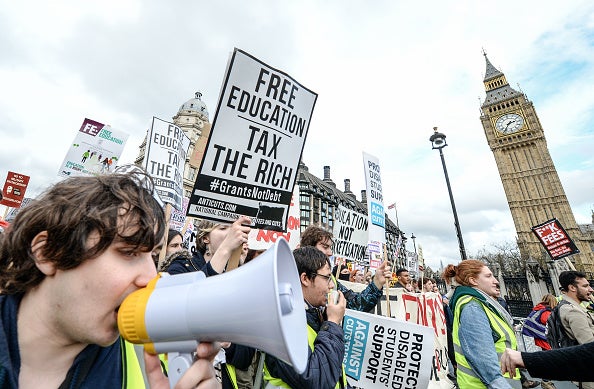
(563, 364)
(324, 366)
(184, 262)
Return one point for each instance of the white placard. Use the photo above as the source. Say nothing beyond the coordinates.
(255, 144)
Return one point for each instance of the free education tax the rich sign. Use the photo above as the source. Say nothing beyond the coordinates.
(250, 163)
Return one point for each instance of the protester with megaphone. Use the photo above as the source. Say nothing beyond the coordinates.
(66, 265)
(216, 244)
(324, 330)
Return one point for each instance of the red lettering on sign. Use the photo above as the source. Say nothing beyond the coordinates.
(271, 236)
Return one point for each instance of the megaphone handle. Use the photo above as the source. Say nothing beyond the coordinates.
(178, 364)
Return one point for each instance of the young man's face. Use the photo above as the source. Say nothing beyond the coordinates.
(325, 246)
(317, 289)
(175, 245)
(404, 278)
(583, 289)
(82, 303)
(428, 286)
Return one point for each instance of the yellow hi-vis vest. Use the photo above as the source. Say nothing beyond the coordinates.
(311, 337)
(232, 375)
(465, 375)
(133, 377)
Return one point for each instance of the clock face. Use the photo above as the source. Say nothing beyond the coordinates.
(509, 123)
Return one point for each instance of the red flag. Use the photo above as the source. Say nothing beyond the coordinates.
(392, 206)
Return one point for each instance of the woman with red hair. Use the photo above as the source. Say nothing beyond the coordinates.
(482, 328)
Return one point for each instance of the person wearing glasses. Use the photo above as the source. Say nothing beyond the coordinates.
(365, 301)
(324, 331)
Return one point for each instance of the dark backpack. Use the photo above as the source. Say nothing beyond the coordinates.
(533, 327)
(556, 334)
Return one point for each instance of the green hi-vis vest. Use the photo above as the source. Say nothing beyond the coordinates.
(133, 377)
(311, 337)
(465, 375)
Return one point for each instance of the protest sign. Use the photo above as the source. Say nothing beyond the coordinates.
(412, 264)
(165, 158)
(374, 251)
(178, 218)
(255, 144)
(259, 239)
(96, 149)
(425, 309)
(375, 199)
(350, 234)
(12, 212)
(14, 189)
(555, 239)
(382, 352)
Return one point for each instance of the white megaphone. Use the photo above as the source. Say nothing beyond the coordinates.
(259, 305)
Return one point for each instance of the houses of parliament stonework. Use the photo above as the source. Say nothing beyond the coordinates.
(531, 183)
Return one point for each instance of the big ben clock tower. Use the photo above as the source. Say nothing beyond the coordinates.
(532, 186)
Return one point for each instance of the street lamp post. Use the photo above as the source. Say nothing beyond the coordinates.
(438, 142)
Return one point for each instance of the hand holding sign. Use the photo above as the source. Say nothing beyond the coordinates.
(382, 273)
(227, 242)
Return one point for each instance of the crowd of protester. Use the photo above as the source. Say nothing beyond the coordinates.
(71, 257)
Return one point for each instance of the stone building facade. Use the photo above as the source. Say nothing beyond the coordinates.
(532, 186)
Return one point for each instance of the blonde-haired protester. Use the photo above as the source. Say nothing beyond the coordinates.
(214, 245)
(482, 328)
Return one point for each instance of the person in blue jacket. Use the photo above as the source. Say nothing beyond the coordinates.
(325, 336)
(66, 265)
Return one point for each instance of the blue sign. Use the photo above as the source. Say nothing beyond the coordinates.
(355, 339)
(377, 214)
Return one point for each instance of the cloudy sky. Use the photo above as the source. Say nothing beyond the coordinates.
(386, 73)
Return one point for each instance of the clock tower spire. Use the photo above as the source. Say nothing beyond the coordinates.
(532, 186)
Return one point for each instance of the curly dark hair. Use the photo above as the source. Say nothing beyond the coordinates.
(119, 207)
(312, 235)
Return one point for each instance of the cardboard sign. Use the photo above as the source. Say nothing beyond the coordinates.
(178, 218)
(165, 158)
(555, 239)
(375, 199)
(382, 352)
(425, 309)
(255, 144)
(96, 149)
(13, 212)
(412, 264)
(14, 189)
(350, 234)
